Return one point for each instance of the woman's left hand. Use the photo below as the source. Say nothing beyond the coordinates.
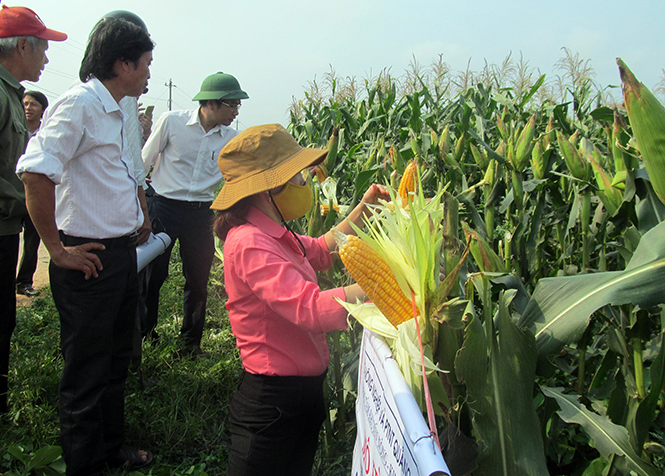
(374, 193)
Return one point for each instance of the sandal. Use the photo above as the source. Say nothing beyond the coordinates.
(130, 458)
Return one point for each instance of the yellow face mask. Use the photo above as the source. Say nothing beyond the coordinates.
(294, 201)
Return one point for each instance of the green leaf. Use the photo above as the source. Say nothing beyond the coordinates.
(645, 412)
(499, 375)
(364, 178)
(533, 91)
(603, 113)
(607, 437)
(18, 453)
(559, 309)
(44, 456)
(596, 468)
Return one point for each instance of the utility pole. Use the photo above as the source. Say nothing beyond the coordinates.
(170, 86)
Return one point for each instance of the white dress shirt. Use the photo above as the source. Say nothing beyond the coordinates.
(185, 156)
(134, 136)
(80, 148)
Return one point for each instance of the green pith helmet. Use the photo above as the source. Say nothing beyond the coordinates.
(220, 86)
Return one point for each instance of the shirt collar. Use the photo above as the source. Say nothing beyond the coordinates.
(110, 104)
(194, 119)
(10, 79)
(264, 223)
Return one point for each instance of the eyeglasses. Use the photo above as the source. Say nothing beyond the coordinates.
(232, 106)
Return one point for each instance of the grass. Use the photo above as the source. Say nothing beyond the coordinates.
(178, 409)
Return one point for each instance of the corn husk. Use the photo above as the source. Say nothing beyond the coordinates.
(647, 120)
(410, 242)
(577, 165)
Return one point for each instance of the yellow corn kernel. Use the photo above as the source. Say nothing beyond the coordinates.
(408, 182)
(375, 277)
(325, 208)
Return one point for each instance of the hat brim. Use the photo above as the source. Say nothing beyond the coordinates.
(232, 193)
(52, 35)
(218, 95)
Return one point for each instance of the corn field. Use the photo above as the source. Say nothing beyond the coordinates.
(547, 343)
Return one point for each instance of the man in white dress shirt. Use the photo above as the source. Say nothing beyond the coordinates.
(82, 197)
(183, 150)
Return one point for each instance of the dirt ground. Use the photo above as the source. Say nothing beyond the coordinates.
(40, 278)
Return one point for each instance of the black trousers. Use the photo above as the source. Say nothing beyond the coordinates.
(191, 224)
(26, 269)
(275, 424)
(97, 319)
(8, 260)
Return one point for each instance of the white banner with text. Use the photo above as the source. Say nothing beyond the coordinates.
(393, 438)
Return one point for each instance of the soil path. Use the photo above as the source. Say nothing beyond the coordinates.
(40, 278)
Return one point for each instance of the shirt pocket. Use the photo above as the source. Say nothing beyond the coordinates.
(19, 127)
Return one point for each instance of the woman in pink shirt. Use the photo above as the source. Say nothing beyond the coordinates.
(277, 311)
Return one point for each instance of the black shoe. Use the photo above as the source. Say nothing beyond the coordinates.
(195, 352)
(26, 290)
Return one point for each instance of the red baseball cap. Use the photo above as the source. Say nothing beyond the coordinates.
(21, 21)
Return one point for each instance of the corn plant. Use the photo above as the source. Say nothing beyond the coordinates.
(551, 251)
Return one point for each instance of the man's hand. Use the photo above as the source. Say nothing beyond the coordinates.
(144, 231)
(80, 258)
(145, 118)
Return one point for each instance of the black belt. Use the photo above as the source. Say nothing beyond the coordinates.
(127, 241)
(185, 203)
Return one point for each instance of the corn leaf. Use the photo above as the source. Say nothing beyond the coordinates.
(608, 438)
(559, 309)
(645, 411)
(499, 374)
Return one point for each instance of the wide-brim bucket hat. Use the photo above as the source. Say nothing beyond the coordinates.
(261, 158)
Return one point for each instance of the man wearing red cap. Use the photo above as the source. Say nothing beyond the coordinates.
(23, 43)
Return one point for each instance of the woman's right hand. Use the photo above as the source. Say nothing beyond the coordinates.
(354, 293)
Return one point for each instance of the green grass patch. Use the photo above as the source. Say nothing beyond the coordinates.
(176, 407)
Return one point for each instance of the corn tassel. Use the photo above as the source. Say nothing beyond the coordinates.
(408, 182)
(375, 277)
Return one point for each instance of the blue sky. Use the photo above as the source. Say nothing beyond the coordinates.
(276, 48)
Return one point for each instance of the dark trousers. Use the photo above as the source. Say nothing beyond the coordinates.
(191, 225)
(28, 265)
(137, 339)
(275, 423)
(97, 321)
(8, 260)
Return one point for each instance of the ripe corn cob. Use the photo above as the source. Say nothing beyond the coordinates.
(375, 277)
(408, 182)
(325, 208)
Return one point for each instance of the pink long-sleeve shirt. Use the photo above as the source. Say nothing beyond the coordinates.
(278, 313)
